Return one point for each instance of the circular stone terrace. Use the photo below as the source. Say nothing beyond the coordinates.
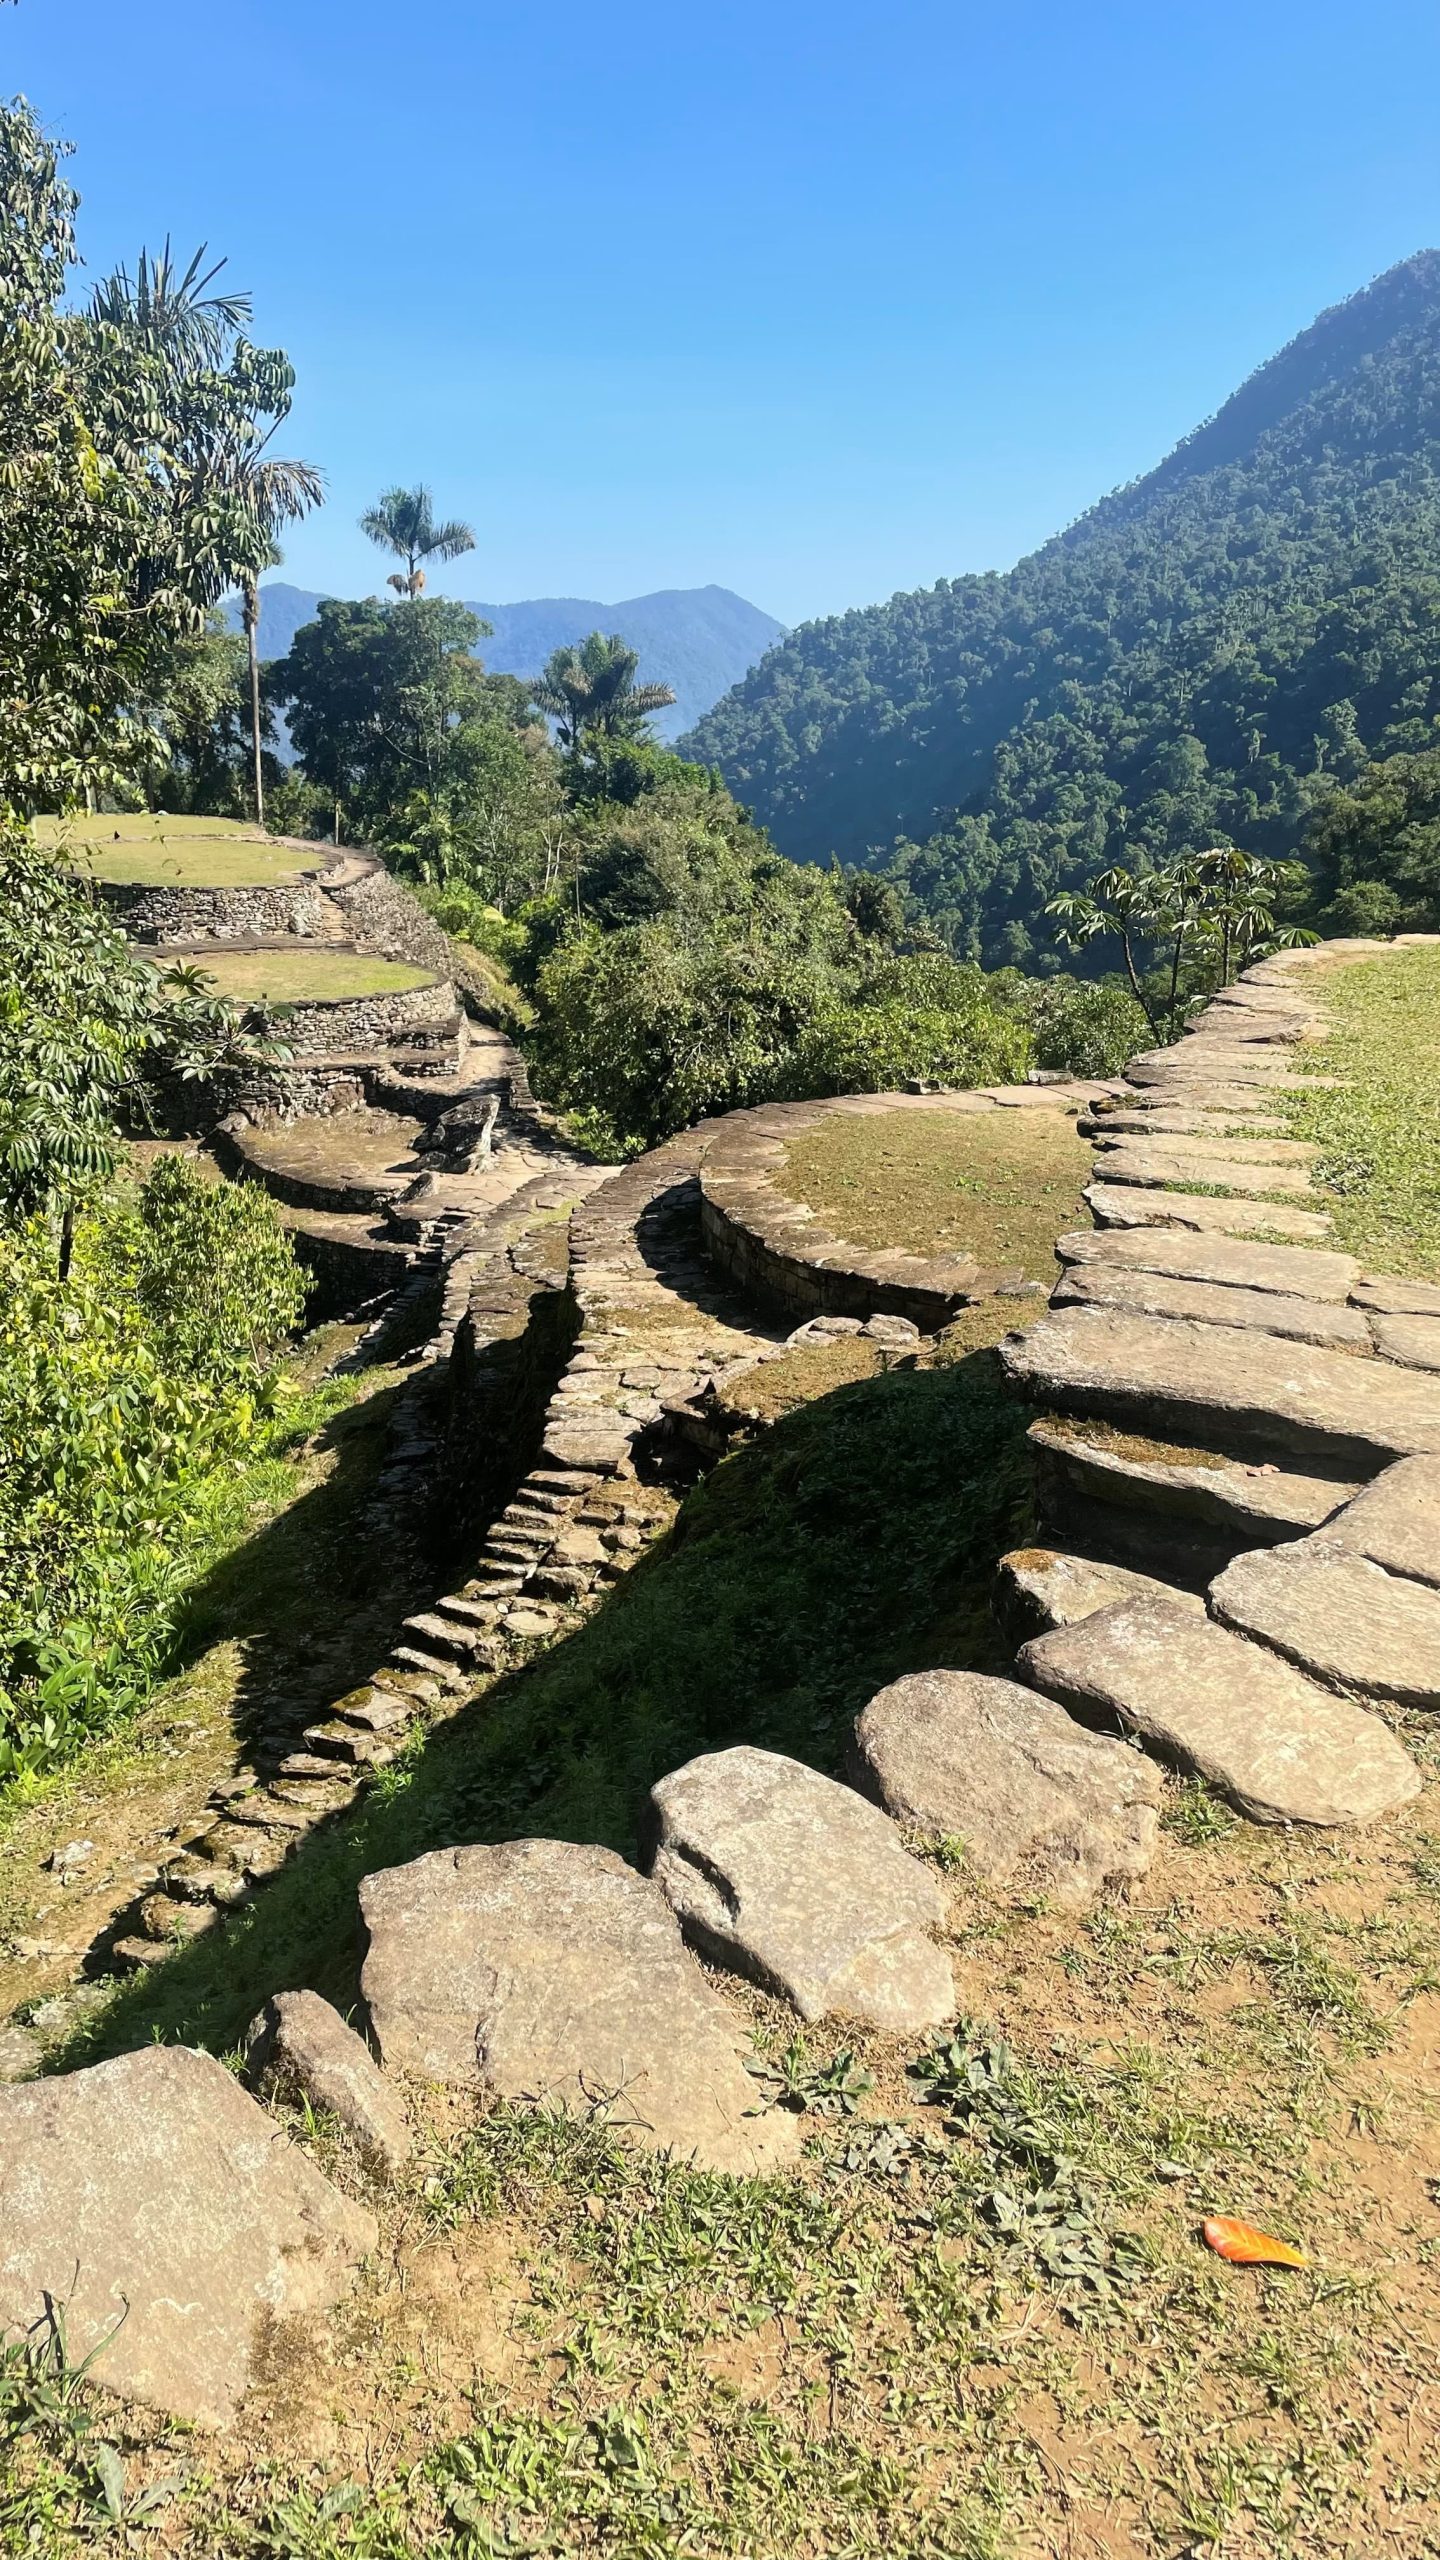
(912, 1204)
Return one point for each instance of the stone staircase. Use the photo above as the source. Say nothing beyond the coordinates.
(1227, 1403)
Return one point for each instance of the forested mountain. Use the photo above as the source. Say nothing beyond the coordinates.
(1203, 655)
(699, 640)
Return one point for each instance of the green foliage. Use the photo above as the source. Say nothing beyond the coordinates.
(117, 527)
(1077, 1026)
(922, 1016)
(124, 1385)
(1373, 847)
(216, 1276)
(1201, 658)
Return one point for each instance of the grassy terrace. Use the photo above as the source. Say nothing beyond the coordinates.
(1001, 1185)
(306, 973)
(1380, 1132)
(154, 851)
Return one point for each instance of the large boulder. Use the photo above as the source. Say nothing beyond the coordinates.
(543, 1971)
(300, 2046)
(802, 1885)
(1041, 1805)
(158, 2206)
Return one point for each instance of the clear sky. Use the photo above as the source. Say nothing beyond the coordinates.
(810, 298)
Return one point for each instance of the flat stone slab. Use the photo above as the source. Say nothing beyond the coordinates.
(1041, 1805)
(1163, 1293)
(1133, 1161)
(1397, 1297)
(543, 1971)
(1177, 1120)
(1200, 1093)
(781, 1874)
(1042, 1587)
(1343, 1618)
(1395, 1521)
(1259, 1503)
(299, 2045)
(1298, 1271)
(1413, 1340)
(1215, 1383)
(1206, 1141)
(1278, 1745)
(154, 2180)
(1122, 1205)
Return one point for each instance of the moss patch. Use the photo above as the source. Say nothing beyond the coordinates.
(1001, 1184)
(308, 974)
(1379, 1169)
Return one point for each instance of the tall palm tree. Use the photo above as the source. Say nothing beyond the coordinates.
(174, 316)
(172, 312)
(272, 492)
(592, 690)
(402, 521)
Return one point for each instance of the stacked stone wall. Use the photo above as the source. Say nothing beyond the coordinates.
(182, 912)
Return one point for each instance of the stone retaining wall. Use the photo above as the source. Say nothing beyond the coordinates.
(182, 912)
(366, 1022)
(383, 915)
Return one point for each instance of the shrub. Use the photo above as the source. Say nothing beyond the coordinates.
(126, 1388)
(1080, 1026)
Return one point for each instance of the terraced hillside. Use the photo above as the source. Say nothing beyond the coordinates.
(1045, 1927)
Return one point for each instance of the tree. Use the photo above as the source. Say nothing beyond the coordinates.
(1373, 848)
(402, 521)
(173, 317)
(1215, 910)
(590, 691)
(115, 534)
(378, 694)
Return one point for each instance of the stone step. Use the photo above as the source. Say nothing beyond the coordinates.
(1132, 1161)
(1390, 1297)
(442, 1635)
(1038, 1588)
(1204, 1141)
(1279, 1746)
(1342, 1618)
(442, 1668)
(1412, 1340)
(1163, 1293)
(1134, 1205)
(1176, 1120)
(1236, 1391)
(1163, 1483)
(1234, 1261)
(1395, 1521)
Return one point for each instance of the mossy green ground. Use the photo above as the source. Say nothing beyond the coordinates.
(1380, 1131)
(1000, 1185)
(978, 2329)
(156, 851)
(307, 974)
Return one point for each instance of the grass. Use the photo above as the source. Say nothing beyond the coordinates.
(1379, 1169)
(307, 974)
(999, 1185)
(154, 851)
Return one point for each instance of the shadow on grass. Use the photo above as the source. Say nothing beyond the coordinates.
(854, 1542)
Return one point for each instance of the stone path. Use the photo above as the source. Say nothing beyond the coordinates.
(1252, 1419)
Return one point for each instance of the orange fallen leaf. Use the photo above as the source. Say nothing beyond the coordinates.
(1244, 2246)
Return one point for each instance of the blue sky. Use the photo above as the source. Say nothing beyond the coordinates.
(813, 299)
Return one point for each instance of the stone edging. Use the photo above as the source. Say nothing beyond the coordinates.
(776, 1247)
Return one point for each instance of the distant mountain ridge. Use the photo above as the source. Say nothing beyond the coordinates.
(1197, 658)
(700, 640)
